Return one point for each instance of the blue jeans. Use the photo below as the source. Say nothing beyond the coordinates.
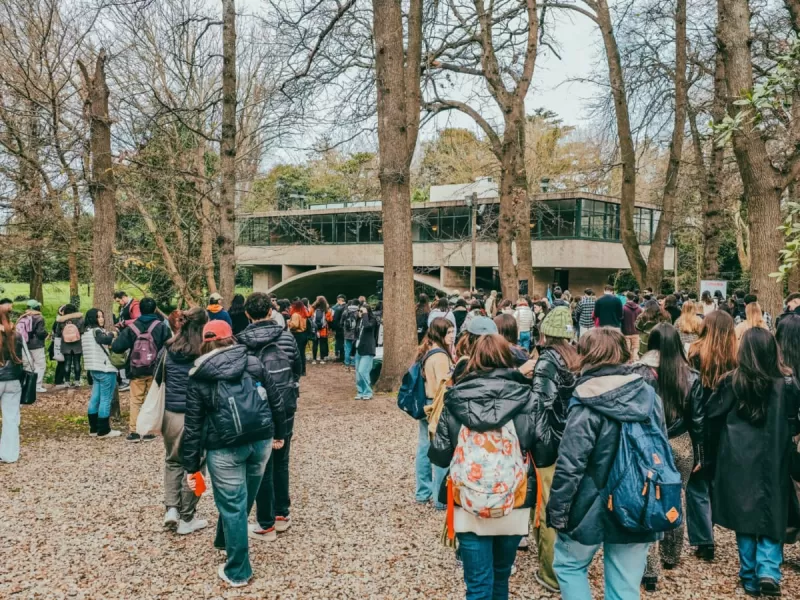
(698, 510)
(429, 477)
(759, 557)
(348, 348)
(623, 565)
(487, 564)
(103, 386)
(525, 340)
(236, 476)
(363, 369)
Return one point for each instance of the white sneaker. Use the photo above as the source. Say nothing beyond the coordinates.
(61, 386)
(226, 579)
(172, 518)
(195, 524)
(42, 390)
(268, 535)
(282, 524)
(111, 434)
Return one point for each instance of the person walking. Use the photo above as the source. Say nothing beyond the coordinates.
(434, 355)
(689, 324)
(10, 388)
(554, 378)
(237, 436)
(752, 420)
(236, 312)
(651, 316)
(178, 356)
(70, 327)
(276, 350)
(491, 397)
(215, 310)
(525, 321)
(323, 317)
(95, 343)
(31, 328)
(584, 313)
(364, 349)
(713, 355)
(607, 394)
(630, 313)
(298, 327)
(754, 317)
(144, 338)
(666, 368)
(608, 309)
(336, 324)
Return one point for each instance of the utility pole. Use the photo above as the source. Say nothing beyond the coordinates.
(472, 201)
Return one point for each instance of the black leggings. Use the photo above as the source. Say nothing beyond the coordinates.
(320, 343)
(72, 366)
(302, 340)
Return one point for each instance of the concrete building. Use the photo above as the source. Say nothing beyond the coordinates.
(332, 249)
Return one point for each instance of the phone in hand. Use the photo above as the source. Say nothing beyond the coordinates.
(201, 483)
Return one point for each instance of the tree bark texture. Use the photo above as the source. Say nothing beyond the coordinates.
(227, 194)
(763, 184)
(398, 87)
(206, 220)
(102, 185)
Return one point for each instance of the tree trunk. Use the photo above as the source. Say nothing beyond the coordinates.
(763, 184)
(102, 186)
(36, 259)
(227, 194)
(72, 253)
(398, 124)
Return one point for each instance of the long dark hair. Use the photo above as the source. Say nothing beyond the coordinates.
(435, 337)
(788, 337)
(715, 349)
(565, 349)
(760, 364)
(92, 318)
(490, 352)
(321, 303)
(673, 369)
(602, 347)
(507, 327)
(189, 340)
(237, 305)
(654, 312)
(423, 305)
(8, 341)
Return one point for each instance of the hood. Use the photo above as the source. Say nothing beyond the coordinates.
(631, 304)
(223, 363)
(258, 335)
(214, 308)
(651, 359)
(69, 317)
(488, 400)
(181, 357)
(616, 393)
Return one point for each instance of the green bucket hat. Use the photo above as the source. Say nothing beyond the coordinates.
(33, 304)
(558, 323)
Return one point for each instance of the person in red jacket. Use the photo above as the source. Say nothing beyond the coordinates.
(323, 316)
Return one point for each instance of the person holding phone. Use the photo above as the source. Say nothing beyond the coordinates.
(364, 349)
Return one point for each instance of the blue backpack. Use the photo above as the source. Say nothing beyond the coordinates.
(411, 398)
(644, 487)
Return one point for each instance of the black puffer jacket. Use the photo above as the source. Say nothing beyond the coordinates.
(484, 402)
(604, 397)
(10, 370)
(199, 432)
(176, 371)
(258, 335)
(553, 384)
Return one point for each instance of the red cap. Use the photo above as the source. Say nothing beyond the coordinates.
(217, 330)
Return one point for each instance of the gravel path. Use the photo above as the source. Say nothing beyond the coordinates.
(81, 518)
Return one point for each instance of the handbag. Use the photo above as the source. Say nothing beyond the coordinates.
(57, 354)
(117, 360)
(151, 416)
(30, 379)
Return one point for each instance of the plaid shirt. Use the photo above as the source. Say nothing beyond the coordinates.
(585, 311)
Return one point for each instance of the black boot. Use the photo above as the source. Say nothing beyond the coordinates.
(93, 424)
(103, 427)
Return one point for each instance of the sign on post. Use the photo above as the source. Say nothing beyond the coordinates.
(713, 286)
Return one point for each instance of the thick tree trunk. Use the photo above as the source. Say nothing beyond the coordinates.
(103, 186)
(763, 184)
(36, 257)
(207, 230)
(227, 194)
(398, 122)
(72, 253)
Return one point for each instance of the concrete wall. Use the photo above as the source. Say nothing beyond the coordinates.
(266, 276)
(454, 278)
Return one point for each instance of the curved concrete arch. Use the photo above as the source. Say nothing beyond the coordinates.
(331, 281)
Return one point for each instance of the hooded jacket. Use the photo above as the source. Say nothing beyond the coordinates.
(602, 400)
(175, 376)
(630, 312)
(37, 333)
(199, 432)
(553, 384)
(217, 313)
(61, 322)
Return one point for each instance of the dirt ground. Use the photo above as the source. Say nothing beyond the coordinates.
(82, 518)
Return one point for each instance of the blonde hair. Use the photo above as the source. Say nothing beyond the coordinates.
(689, 322)
(755, 316)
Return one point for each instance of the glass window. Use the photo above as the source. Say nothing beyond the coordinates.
(322, 229)
(424, 225)
(599, 220)
(557, 218)
(454, 223)
(642, 218)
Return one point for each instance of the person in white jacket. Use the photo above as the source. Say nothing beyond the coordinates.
(97, 361)
(524, 317)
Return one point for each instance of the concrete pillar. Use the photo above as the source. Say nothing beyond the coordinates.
(288, 271)
(266, 277)
(454, 278)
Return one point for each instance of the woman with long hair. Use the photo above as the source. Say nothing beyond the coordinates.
(788, 336)
(237, 436)
(298, 327)
(707, 303)
(434, 355)
(651, 316)
(323, 317)
(755, 318)
(236, 311)
(95, 343)
(491, 395)
(422, 310)
(507, 327)
(172, 370)
(688, 324)
(667, 369)
(713, 355)
(607, 394)
(365, 345)
(752, 420)
(72, 323)
(10, 388)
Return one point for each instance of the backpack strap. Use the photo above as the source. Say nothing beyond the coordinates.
(153, 325)
(136, 329)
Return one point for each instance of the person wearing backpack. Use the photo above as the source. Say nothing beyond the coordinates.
(607, 398)
(179, 354)
(665, 367)
(485, 431)
(216, 311)
(337, 310)
(144, 338)
(436, 363)
(275, 349)
(298, 326)
(31, 327)
(364, 348)
(70, 327)
(350, 318)
(322, 316)
(97, 361)
(752, 420)
(235, 413)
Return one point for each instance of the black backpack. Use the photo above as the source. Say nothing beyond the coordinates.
(319, 319)
(349, 321)
(277, 364)
(239, 411)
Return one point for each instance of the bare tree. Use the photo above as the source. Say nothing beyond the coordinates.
(227, 147)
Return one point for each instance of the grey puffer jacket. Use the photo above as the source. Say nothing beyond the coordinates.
(553, 384)
(603, 399)
(482, 402)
